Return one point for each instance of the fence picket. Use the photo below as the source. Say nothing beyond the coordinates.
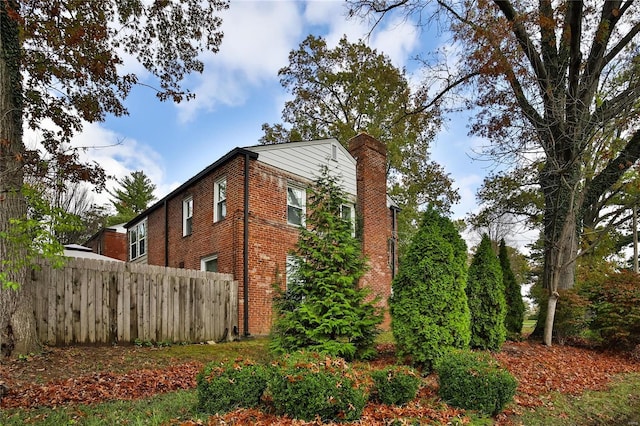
(91, 301)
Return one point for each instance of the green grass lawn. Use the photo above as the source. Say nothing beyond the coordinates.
(528, 326)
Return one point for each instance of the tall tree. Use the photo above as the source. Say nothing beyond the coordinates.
(132, 198)
(324, 309)
(351, 88)
(429, 310)
(61, 65)
(513, 296)
(486, 298)
(543, 74)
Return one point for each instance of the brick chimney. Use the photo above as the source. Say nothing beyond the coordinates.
(374, 214)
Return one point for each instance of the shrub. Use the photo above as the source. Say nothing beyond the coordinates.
(513, 296)
(429, 311)
(615, 308)
(395, 385)
(225, 387)
(485, 295)
(570, 320)
(474, 381)
(324, 309)
(305, 386)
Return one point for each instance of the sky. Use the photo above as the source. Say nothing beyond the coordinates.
(239, 90)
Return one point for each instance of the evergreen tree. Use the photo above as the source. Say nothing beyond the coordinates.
(132, 198)
(513, 297)
(429, 312)
(485, 294)
(325, 310)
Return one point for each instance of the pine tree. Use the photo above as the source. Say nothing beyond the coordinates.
(513, 297)
(429, 312)
(325, 310)
(485, 294)
(132, 198)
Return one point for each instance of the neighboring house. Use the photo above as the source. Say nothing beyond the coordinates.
(110, 242)
(241, 215)
(82, 252)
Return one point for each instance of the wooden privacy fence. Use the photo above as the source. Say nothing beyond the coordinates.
(93, 301)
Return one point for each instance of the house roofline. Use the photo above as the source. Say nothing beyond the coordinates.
(222, 160)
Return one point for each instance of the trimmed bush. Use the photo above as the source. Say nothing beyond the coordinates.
(474, 381)
(429, 311)
(225, 387)
(395, 385)
(485, 294)
(513, 296)
(306, 385)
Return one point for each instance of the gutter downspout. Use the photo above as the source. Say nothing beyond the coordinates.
(245, 274)
(394, 241)
(166, 234)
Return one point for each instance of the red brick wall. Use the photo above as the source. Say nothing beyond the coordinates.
(111, 243)
(371, 169)
(115, 244)
(271, 238)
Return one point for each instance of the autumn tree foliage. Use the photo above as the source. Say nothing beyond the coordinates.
(486, 298)
(547, 79)
(514, 318)
(324, 309)
(61, 66)
(429, 311)
(132, 197)
(614, 309)
(351, 88)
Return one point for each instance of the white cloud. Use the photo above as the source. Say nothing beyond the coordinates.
(117, 155)
(258, 37)
(395, 37)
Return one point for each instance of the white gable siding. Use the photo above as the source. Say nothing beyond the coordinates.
(305, 159)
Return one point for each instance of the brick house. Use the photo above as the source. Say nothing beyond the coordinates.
(241, 215)
(110, 242)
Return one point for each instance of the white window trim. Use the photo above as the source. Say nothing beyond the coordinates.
(185, 212)
(135, 228)
(303, 207)
(217, 200)
(290, 268)
(334, 152)
(204, 260)
(352, 217)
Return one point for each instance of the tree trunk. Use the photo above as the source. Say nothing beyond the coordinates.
(551, 312)
(560, 185)
(17, 322)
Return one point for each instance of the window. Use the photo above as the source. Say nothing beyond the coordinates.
(291, 269)
(347, 213)
(187, 216)
(334, 152)
(209, 264)
(220, 200)
(138, 240)
(296, 203)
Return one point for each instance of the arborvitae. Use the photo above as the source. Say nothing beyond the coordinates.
(485, 294)
(429, 312)
(325, 310)
(515, 305)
